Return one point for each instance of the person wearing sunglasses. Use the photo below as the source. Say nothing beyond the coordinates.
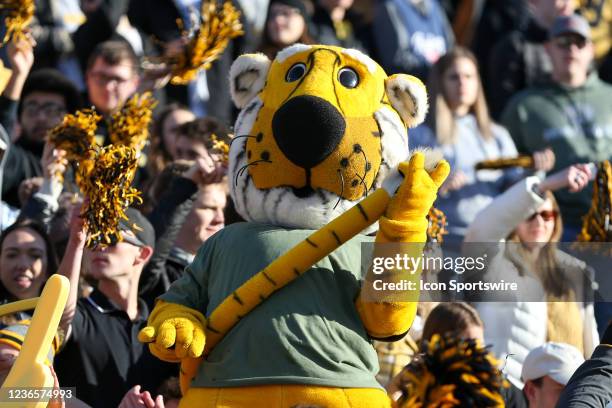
(550, 304)
(570, 114)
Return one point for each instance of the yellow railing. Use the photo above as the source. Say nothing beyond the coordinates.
(29, 370)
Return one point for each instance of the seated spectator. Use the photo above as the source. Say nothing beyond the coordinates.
(554, 302)
(102, 356)
(410, 35)
(466, 135)
(335, 23)
(546, 371)
(26, 261)
(37, 103)
(570, 115)
(591, 384)
(522, 55)
(286, 24)
(164, 135)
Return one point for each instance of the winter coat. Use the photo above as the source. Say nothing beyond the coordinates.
(519, 324)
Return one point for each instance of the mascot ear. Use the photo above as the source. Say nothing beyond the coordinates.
(408, 97)
(247, 77)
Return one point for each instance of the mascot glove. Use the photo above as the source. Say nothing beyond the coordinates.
(175, 326)
(417, 193)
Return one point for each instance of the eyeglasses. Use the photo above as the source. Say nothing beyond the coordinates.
(547, 215)
(102, 79)
(566, 41)
(50, 110)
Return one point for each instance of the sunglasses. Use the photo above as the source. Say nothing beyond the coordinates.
(547, 215)
(565, 42)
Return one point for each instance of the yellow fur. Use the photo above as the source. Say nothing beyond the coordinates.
(285, 396)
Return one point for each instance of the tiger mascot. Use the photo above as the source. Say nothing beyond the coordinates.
(271, 312)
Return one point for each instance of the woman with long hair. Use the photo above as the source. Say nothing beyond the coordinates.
(554, 297)
(459, 124)
(286, 24)
(165, 127)
(27, 258)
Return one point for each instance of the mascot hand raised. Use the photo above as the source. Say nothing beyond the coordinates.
(319, 157)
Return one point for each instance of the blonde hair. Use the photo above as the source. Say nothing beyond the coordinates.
(441, 118)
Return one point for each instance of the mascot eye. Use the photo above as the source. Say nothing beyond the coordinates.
(348, 78)
(296, 72)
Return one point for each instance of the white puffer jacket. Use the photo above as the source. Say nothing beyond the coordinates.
(514, 328)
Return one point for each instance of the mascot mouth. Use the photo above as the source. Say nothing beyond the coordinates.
(303, 192)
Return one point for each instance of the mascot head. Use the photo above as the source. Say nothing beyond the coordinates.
(320, 127)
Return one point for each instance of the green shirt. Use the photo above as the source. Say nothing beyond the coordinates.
(576, 123)
(309, 332)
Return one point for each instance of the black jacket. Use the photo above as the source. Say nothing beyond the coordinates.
(358, 35)
(167, 219)
(591, 384)
(22, 159)
(518, 61)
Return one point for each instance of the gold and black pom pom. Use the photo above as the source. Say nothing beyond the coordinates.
(109, 192)
(129, 126)
(219, 147)
(452, 372)
(436, 225)
(523, 161)
(18, 15)
(596, 225)
(217, 26)
(76, 136)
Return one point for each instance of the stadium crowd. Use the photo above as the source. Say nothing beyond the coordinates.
(504, 78)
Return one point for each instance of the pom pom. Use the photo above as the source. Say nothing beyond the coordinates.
(76, 136)
(18, 15)
(107, 187)
(218, 25)
(452, 372)
(130, 125)
(596, 224)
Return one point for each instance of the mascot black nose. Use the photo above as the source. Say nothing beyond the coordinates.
(307, 129)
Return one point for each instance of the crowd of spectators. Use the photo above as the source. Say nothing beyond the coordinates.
(504, 78)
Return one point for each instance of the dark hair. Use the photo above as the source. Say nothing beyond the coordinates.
(170, 389)
(159, 156)
(201, 130)
(268, 47)
(113, 53)
(163, 180)
(38, 228)
(451, 317)
(51, 81)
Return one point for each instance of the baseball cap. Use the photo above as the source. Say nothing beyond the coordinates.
(144, 234)
(572, 24)
(14, 335)
(556, 360)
